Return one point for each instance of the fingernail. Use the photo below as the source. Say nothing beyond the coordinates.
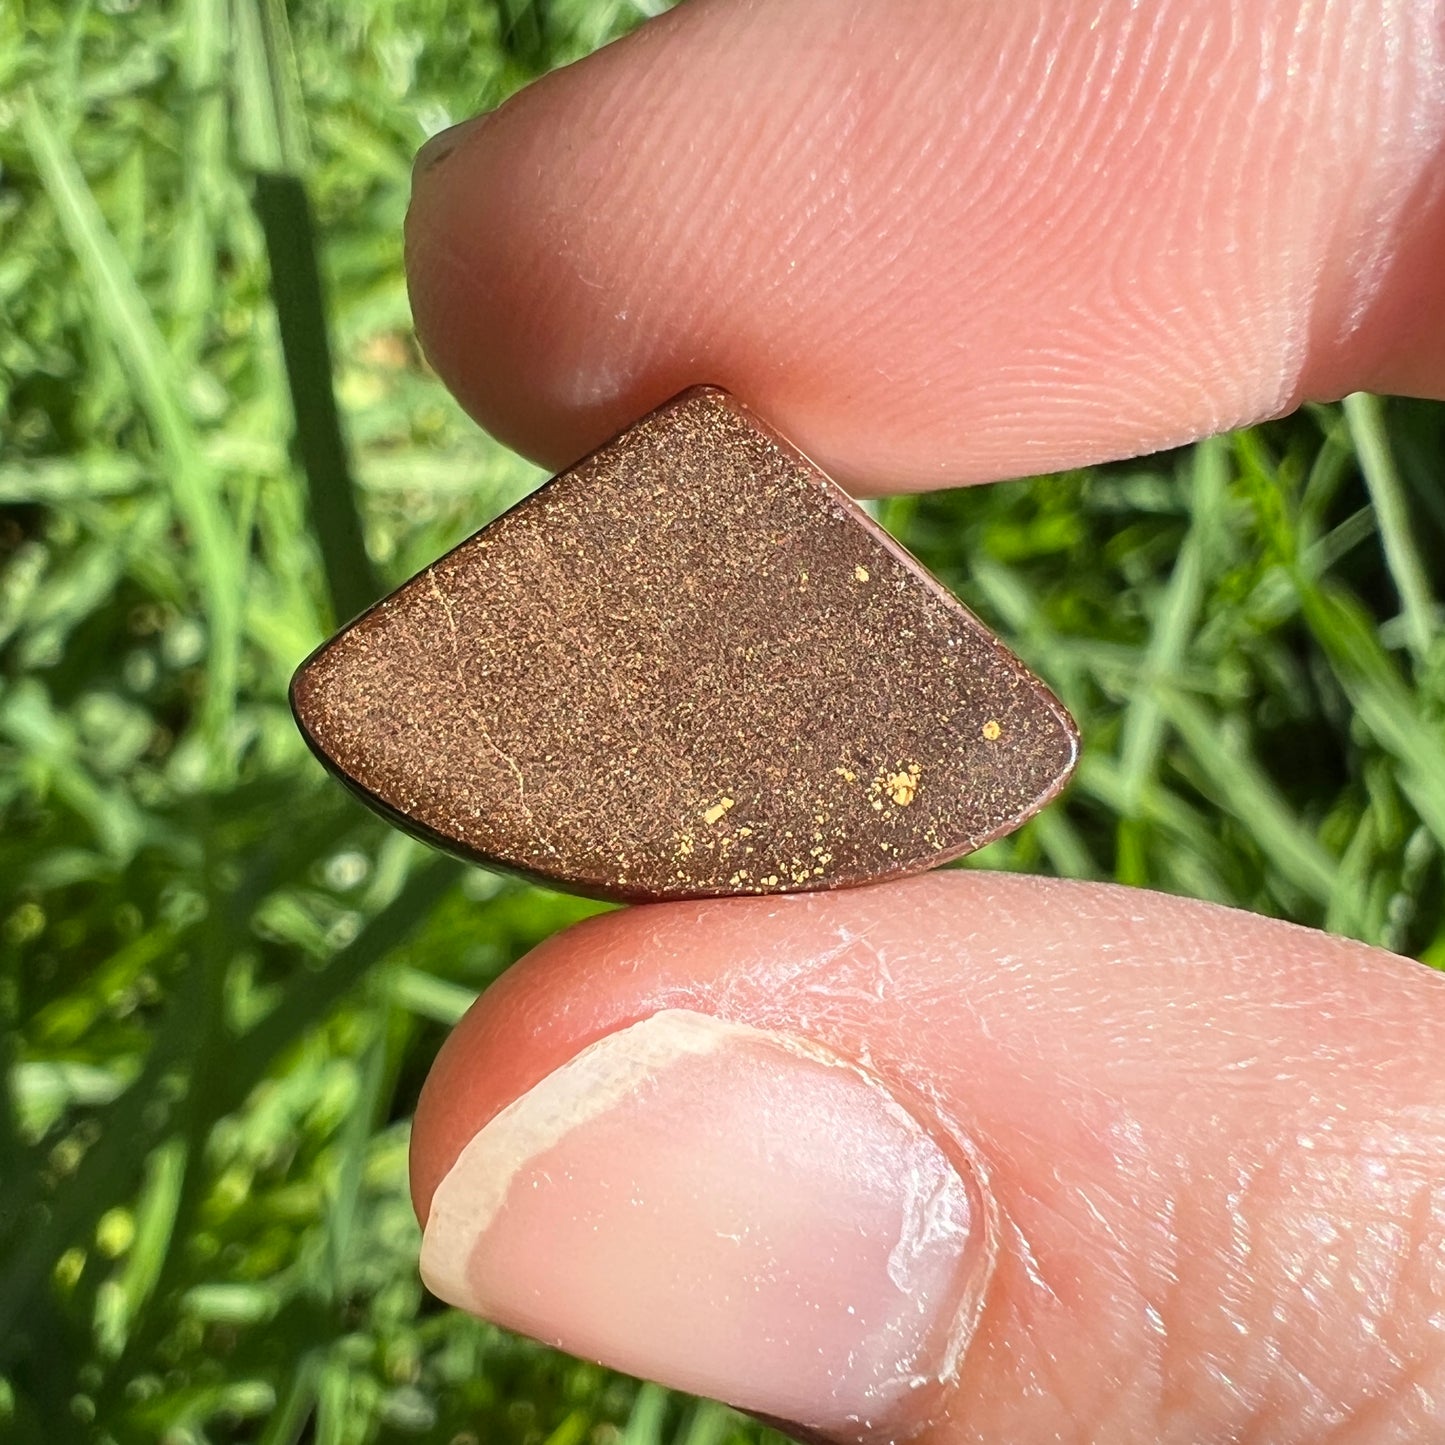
(728, 1211)
(435, 150)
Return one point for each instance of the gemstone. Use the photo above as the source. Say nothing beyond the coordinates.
(689, 666)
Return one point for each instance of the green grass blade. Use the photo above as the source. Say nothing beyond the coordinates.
(1383, 701)
(155, 1221)
(1244, 791)
(134, 334)
(370, 1074)
(267, 90)
(285, 216)
(572, 1431)
(1366, 419)
(707, 1424)
(649, 1411)
(1176, 617)
(293, 1411)
(428, 996)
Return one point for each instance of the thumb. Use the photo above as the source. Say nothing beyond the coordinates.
(949, 240)
(973, 1157)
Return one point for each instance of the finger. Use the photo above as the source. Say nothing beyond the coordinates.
(947, 240)
(977, 1156)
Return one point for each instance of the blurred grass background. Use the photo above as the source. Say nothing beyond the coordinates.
(222, 983)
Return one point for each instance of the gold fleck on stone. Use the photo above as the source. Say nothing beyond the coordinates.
(714, 814)
(903, 786)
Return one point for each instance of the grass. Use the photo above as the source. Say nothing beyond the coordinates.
(221, 984)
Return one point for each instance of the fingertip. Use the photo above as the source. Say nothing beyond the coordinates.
(939, 243)
(828, 1277)
(513, 303)
(1157, 1099)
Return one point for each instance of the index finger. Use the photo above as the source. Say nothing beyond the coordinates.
(937, 241)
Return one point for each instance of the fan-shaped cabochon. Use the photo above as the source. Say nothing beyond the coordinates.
(689, 666)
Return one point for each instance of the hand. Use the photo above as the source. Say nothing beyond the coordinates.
(969, 1157)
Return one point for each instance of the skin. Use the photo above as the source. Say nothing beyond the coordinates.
(941, 242)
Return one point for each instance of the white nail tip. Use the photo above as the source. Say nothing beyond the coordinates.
(590, 1083)
(845, 1255)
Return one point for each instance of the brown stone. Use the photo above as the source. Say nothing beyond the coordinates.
(690, 666)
